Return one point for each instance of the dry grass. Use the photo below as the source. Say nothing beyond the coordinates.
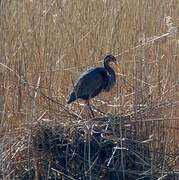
(45, 45)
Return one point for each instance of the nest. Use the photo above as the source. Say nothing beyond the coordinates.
(100, 148)
(94, 152)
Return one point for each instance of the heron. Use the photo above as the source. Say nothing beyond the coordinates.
(94, 81)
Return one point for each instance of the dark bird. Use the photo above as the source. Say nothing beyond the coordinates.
(94, 81)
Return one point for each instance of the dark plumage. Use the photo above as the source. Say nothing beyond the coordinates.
(93, 81)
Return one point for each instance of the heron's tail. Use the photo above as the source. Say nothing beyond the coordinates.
(71, 98)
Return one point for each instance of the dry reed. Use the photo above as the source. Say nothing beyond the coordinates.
(45, 45)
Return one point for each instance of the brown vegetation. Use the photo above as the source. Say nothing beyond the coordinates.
(45, 45)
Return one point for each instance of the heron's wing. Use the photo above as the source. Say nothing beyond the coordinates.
(91, 83)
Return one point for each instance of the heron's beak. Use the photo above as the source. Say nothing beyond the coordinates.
(117, 67)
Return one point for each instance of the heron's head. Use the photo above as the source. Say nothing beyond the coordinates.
(108, 59)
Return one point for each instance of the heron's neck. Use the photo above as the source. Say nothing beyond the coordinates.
(111, 77)
(110, 70)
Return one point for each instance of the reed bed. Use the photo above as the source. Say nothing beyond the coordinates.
(44, 47)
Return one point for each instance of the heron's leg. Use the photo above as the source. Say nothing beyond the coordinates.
(89, 106)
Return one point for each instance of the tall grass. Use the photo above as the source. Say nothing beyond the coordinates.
(45, 45)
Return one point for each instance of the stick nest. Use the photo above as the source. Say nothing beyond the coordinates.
(100, 148)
